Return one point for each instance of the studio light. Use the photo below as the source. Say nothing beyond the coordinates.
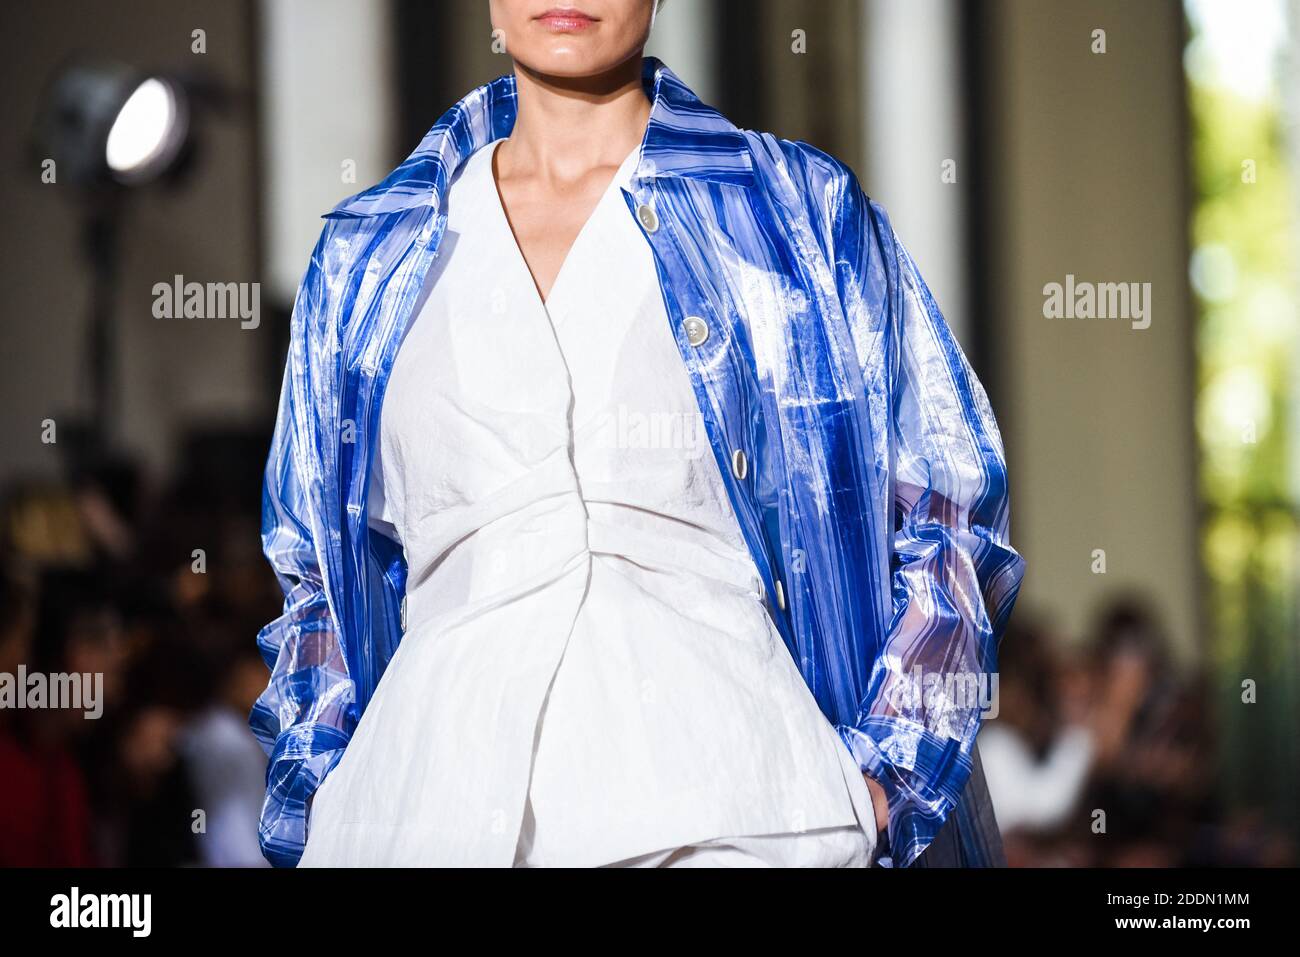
(105, 130)
(106, 123)
(148, 134)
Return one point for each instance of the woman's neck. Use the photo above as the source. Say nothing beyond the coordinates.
(567, 127)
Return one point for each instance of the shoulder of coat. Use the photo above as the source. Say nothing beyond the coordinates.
(815, 175)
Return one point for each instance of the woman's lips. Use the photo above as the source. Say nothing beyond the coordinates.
(566, 21)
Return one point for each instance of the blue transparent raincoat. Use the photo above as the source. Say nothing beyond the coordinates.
(874, 502)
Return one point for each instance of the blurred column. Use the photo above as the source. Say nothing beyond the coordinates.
(685, 38)
(809, 59)
(913, 130)
(1086, 159)
(327, 107)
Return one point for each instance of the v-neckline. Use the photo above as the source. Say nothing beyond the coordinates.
(503, 220)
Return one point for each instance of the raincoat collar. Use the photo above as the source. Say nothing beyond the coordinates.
(684, 138)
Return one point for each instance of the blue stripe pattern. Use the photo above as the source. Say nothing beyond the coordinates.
(874, 505)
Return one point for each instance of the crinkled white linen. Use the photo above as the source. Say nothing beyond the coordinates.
(589, 674)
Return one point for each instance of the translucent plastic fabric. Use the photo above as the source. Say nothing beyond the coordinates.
(859, 451)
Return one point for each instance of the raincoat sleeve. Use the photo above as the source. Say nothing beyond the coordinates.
(953, 573)
(304, 717)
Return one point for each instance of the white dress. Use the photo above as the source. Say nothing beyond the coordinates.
(589, 673)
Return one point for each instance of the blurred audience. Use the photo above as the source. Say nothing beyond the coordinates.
(45, 817)
(1098, 757)
(1104, 757)
(160, 592)
(1038, 752)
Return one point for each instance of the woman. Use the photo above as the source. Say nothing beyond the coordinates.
(644, 437)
